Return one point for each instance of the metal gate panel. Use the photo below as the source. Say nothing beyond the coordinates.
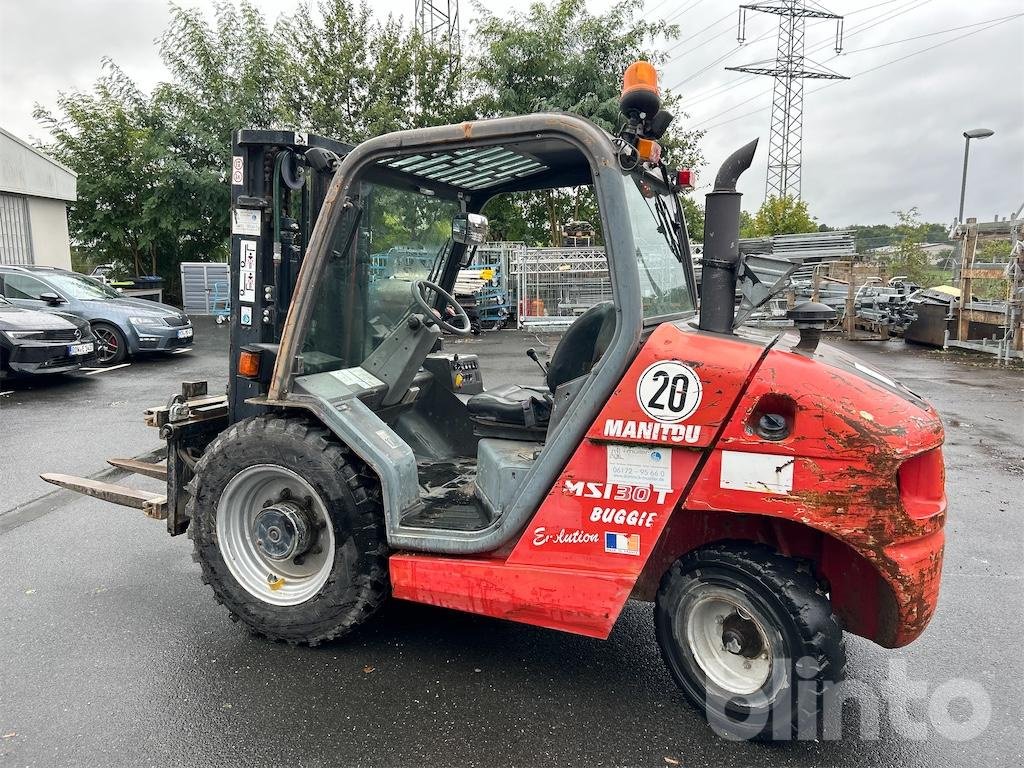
(15, 233)
(557, 285)
(200, 282)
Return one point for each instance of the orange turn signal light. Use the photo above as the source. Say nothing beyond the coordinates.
(249, 364)
(649, 151)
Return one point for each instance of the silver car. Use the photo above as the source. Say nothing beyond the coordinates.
(123, 326)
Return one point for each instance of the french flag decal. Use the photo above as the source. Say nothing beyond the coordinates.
(622, 543)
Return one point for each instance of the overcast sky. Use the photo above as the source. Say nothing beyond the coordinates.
(886, 139)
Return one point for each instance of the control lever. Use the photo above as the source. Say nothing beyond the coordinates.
(532, 354)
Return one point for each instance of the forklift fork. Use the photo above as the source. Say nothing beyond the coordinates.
(187, 423)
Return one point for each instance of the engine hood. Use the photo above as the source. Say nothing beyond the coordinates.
(17, 319)
(853, 366)
(132, 306)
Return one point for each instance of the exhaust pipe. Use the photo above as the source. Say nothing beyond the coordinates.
(721, 244)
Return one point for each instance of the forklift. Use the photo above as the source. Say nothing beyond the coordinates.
(766, 492)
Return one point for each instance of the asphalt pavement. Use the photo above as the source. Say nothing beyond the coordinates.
(113, 653)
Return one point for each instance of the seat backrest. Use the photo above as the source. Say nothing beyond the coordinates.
(582, 345)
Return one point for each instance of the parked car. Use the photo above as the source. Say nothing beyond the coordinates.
(103, 272)
(42, 342)
(122, 325)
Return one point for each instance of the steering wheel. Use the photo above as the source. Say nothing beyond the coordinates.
(460, 313)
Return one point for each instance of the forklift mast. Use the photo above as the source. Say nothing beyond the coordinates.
(278, 183)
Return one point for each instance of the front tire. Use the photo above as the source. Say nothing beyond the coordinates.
(111, 344)
(289, 534)
(750, 638)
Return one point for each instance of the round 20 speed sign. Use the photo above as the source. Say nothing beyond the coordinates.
(669, 391)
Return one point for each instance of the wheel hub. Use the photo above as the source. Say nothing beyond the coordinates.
(727, 638)
(284, 530)
(740, 636)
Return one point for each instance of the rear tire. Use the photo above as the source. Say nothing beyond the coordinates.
(270, 463)
(111, 345)
(750, 638)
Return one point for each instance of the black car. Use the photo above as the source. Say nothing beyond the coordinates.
(42, 342)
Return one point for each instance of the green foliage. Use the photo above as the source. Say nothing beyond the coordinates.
(871, 236)
(780, 216)
(992, 251)
(908, 257)
(153, 169)
(746, 225)
(561, 57)
(109, 138)
(693, 212)
(352, 76)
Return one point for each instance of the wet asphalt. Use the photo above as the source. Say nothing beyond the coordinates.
(113, 653)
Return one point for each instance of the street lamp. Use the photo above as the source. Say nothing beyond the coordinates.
(977, 133)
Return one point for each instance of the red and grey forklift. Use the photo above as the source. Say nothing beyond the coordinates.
(767, 493)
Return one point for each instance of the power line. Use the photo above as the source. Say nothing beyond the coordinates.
(789, 68)
(656, 6)
(857, 29)
(925, 50)
(866, 71)
(682, 11)
(932, 34)
(695, 34)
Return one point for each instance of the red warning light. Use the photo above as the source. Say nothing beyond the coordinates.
(686, 178)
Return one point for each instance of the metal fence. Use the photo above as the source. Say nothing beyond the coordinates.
(554, 286)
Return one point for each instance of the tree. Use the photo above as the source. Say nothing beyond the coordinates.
(560, 57)
(908, 257)
(352, 76)
(782, 216)
(693, 212)
(153, 169)
(108, 137)
(224, 75)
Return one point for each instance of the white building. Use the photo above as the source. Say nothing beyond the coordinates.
(34, 193)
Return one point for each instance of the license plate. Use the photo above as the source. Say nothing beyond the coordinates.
(86, 348)
(185, 333)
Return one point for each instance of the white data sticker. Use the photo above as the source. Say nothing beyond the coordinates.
(759, 472)
(247, 271)
(245, 221)
(245, 315)
(640, 466)
(669, 391)
(237, 170)
(357, 378)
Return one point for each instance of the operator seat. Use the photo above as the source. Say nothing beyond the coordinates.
(582, 345)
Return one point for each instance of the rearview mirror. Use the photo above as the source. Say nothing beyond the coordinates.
(469, 228)
(51, 298)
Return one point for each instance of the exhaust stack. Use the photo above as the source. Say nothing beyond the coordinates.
(721, 243)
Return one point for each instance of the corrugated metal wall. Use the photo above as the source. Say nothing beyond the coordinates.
(15, 235)
(204, 284)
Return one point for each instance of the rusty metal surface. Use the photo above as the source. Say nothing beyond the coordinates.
(852, 432)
